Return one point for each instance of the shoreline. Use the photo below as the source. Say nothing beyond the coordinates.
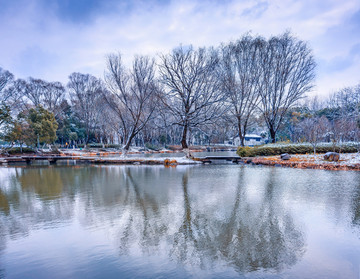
(98, 160)
(302, 161)
(348, 161)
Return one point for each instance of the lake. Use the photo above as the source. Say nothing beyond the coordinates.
(206, 221)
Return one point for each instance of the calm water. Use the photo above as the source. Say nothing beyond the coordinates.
(219, 221)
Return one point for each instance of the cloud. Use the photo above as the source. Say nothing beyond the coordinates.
(341, 63)
(256, 10)
(52, 39)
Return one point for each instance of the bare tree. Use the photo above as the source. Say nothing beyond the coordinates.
(314, 129)
(10, 95)
(6, 80)
(287, 74)
(53, 96)
(132, 94)
(164, 122)
(34, 90)
(86, 93)
(37, 92)
(344, 111)
(192, 87)
(240, 76)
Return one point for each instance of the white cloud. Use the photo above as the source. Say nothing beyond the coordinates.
(63, 47)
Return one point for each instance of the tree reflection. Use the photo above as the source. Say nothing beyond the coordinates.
(46, 182)
(184, 239)
(4, 203)
(147, 229)
(356, 207)
(250, 239)
(158, 210)
(267, 235)
(20, 210)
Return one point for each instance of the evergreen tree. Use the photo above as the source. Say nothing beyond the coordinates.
(43, 124)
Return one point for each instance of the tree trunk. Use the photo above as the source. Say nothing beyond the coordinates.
(129, 140)
(127, 145)
(241, 137)
(242, 140)
(272, 134)
(184, 135)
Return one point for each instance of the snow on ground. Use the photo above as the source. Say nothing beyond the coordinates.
(345, 158)
(135, 157)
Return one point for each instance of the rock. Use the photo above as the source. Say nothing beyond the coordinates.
(332, 156)
(285, 156)
(173, 162)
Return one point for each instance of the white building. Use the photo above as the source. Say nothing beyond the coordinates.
(250, 140)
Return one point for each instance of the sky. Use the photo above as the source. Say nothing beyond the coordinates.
(50, 39)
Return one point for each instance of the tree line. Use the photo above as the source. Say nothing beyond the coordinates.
(335, 120)
(201, 95)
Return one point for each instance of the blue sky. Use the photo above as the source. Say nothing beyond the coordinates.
(50, 39)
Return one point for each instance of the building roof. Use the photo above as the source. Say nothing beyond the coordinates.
(252, 136)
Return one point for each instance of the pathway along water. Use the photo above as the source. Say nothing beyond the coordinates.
(190, 221)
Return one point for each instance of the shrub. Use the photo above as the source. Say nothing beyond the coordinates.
(16, 150)
(151, 146)
(300, 148)
(243, 151)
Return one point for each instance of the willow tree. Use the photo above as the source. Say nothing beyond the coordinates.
(287, 66)
(240, 74)
(191, 84)
(132, 94)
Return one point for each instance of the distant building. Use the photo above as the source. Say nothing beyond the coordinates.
(250, 140)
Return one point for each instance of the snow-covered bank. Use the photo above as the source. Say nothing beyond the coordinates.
(142, 161)
(348, 161)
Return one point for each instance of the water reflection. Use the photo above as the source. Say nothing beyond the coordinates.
(250, 238)
(30, 197)
(206, 217)
(46, 184)
(356, 206)
(4, 204)
(265, 235)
